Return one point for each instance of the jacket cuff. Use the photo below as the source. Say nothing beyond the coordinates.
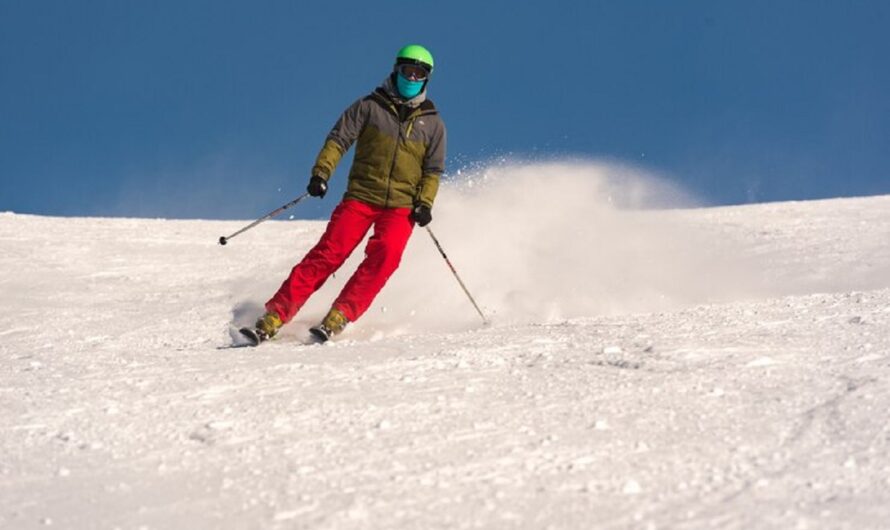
(320, 172)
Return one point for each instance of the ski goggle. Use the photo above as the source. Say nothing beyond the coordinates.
(413, 72)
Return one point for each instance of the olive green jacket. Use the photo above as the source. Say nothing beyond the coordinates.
(399, 156)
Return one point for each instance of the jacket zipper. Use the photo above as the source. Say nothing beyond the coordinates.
(395, 153)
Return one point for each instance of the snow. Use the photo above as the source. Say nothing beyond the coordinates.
(646, 368)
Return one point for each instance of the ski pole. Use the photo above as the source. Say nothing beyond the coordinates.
(223, 239)
(454, 271)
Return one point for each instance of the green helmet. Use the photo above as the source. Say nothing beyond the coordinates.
(415, 54)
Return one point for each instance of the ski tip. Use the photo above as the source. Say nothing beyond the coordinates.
(319, 334)
(251, 335)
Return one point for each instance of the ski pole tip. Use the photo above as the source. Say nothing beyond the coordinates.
(222, 240)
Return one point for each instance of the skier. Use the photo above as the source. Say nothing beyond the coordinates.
(399, 156)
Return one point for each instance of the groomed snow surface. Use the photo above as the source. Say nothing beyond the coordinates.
(647, 367)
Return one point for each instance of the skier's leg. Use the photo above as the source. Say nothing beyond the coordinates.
(382, 256)
(349, 223)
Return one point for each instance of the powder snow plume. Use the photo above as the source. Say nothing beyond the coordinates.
(541, 242)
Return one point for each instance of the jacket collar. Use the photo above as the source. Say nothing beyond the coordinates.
(393, 93)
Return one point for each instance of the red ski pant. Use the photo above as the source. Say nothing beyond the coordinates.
(349, 223)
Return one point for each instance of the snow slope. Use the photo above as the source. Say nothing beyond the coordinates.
(655, 368)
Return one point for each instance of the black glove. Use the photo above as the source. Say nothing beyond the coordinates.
(317, 187)
(422, 214)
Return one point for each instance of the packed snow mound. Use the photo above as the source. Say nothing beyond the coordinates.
(649, 367)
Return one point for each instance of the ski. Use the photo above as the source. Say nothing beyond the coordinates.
(320, 333)
(235, 346)
(252, 339)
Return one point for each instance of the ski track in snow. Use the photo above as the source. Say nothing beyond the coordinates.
(764, 407)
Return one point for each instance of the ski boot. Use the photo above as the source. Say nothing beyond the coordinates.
(264, 329)
(333, 324)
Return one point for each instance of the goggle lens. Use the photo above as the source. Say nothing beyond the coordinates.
(413, 72)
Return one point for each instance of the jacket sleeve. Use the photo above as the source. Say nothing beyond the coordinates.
(433, 166)
(340, 139)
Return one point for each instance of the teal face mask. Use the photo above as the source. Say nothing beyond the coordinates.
(407, 88)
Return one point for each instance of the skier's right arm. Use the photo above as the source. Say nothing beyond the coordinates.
(340, 139)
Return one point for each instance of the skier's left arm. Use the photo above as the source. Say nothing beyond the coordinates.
(433, 166)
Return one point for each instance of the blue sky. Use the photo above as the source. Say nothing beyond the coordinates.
(216, 109)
